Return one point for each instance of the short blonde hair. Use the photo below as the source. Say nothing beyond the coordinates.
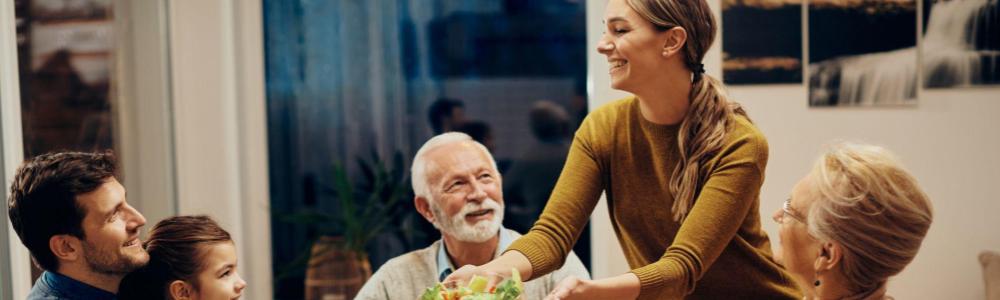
(872, 207)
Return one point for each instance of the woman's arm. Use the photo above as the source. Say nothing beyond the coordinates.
(544, 248)
(719, 211)
(625, 286)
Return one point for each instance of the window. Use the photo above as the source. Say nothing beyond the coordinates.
(350, 80)
(64, 53)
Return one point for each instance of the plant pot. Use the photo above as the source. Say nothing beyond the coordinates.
(335, 273)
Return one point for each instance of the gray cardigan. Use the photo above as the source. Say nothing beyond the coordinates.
(405, 277)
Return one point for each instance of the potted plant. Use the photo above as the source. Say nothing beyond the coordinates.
(337, 264)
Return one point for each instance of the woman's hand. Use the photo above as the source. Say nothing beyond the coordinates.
(625, 286)
(572, 288)
(463, 275)
(495, 271)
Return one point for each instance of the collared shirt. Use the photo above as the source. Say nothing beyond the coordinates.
(55, 286)
(444, 266)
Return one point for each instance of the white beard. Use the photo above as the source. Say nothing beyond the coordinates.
(457, 227)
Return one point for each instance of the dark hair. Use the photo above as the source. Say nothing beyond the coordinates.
(176, 249)
(441, 109)
(43, 198)
(549, 121)
(478, 130)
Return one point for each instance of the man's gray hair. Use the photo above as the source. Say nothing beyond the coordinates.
(419, 170)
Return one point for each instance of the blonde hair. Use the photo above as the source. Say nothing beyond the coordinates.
(703, 130)
(872, 207)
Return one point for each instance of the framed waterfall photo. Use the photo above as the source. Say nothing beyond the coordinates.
(862, 52)
(961, 44)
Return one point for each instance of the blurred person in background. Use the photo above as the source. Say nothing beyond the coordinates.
(446, 115)
(533, 175)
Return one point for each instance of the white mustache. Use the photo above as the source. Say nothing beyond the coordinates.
(474, 207)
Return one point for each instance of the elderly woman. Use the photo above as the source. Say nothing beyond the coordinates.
(857, 219)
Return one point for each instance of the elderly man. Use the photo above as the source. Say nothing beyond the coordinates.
(457, 189)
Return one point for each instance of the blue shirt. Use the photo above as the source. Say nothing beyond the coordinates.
(55, 286)
(444, 263)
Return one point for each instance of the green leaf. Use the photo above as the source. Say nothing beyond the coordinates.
(433, 293)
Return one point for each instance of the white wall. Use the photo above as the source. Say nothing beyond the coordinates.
(948, 141)
(142, 106)
(217, 76)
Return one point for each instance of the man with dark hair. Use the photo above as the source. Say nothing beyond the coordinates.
(70, 212)
(446, 114)
(549, 121)
(479, 131)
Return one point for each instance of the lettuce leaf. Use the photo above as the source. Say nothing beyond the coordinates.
(433, 293)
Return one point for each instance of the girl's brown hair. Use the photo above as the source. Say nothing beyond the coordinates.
(703, 130)
(176, 248)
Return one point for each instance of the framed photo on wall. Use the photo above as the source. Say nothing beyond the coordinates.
(862, 52)
(762, 41)
(961, 43)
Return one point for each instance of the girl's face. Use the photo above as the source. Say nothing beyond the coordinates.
(218, 279)
(633, 47)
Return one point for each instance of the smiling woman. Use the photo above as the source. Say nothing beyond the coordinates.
(681, 166)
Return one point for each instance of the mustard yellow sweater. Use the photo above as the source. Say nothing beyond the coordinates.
(718, 252)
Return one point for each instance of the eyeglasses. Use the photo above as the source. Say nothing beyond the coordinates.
(786, 211)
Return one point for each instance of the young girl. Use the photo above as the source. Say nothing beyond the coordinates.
(191, 257)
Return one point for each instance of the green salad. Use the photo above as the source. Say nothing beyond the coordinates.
(508, 289)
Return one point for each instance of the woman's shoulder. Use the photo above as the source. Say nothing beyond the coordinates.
(743, 140)
(601, 121)
(742, 130)
(598, 130)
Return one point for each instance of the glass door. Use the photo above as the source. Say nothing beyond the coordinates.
(65, 54)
